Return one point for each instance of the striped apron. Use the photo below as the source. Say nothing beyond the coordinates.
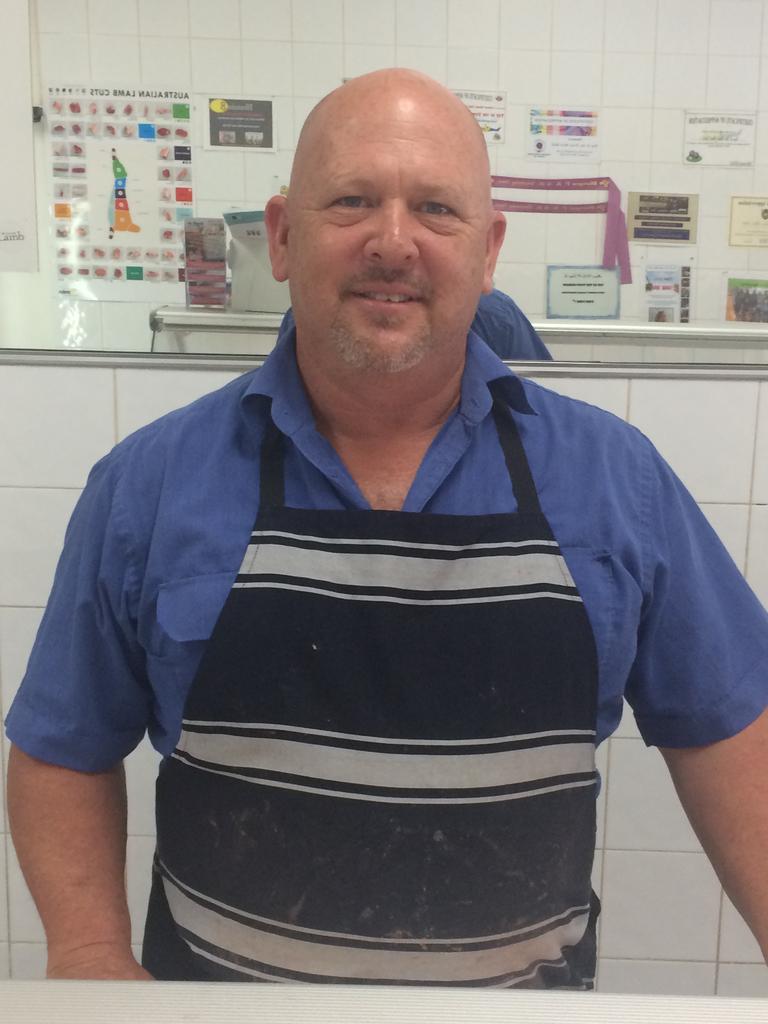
(386, 768)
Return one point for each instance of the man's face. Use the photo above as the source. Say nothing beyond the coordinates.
(387, 238)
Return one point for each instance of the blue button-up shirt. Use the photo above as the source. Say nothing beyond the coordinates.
(159, 534)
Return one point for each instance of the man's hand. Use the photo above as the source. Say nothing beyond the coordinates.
(97, 962)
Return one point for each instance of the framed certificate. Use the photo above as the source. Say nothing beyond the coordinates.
(749, 221)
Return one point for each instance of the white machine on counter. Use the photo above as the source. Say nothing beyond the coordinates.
(253, 287)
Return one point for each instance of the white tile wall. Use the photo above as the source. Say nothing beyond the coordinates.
(643, 810)
(472, 24)
(760, 488)
(18, 628)
(63, 15)
(661, 906)
(628, 80)
(657, 977)
(115, 58)
(171, 18)
(639, 65)
(743, 980)
(318, 21)
(142, 397)
(735, 31)
(370, 21)
(577, 24)
(72, 428)
(28, 961)
(662, 928)
(757, 552)
(422, 24)
(472, 67)
(117, 16)
(630, 27)
(737, 944)
(4, 930)
(705, 431)
(731, 524)
(34, 520)
(683, 26)
(214, 21)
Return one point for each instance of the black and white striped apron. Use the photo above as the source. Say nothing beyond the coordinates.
(386, 770)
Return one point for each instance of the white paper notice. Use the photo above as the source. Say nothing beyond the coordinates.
(583, 293)
(720, 139)
(489, 110)
(563, 135)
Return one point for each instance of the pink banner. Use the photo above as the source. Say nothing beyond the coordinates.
(616, 246)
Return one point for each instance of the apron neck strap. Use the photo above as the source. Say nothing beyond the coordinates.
(271, 472)
(514, 455)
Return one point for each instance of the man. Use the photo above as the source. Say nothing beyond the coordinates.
(499, 321)
(378, 602)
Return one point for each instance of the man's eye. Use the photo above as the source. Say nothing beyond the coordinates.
(436, 208)
(351, 202)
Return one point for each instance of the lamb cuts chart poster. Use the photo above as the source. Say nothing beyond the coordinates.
(121, 178)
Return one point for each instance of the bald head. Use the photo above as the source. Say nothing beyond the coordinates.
(393, 99)
(387, 235)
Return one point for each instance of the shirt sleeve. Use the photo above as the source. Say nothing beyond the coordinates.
(84, 701)
(506, 329)
(701, 670)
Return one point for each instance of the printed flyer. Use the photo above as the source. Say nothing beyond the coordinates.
(489, 110)
(719, 139)
(668, 294)
(749, 221)
(747, 300)
(121, 175)
(583, 293)
(563, 135)
(240, 124)
(205, 251)
(662, 217)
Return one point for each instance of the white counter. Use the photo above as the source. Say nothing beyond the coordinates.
(78, 1002)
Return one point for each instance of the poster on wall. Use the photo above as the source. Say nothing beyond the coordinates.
(668, 294)
(662, 217)
(583, 293)
(749, 221)
(489, 110)
(563, 135)
(121, 188)
(719, 139)
(241, 124)
(747, 300)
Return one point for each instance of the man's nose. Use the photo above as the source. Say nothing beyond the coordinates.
(392, 239)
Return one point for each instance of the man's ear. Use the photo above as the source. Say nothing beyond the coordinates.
(496, 231)
(276, 220)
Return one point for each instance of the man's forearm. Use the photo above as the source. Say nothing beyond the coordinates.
(724, 790)
(69, 830)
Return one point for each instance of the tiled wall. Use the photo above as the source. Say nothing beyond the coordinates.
(641, 64)
(666, 925)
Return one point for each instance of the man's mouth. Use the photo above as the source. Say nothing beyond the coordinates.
(396, 297)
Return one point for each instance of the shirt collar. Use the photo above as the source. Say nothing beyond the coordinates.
(279, 380)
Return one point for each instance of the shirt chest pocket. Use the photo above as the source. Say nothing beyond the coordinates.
(187, 611)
